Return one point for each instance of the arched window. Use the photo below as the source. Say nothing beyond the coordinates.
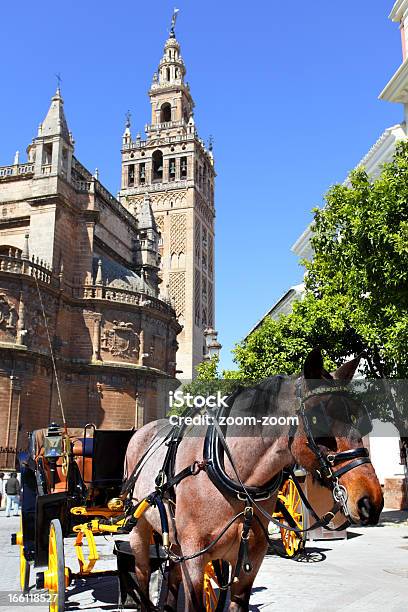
(168, 74)
(165, 113)
(157, 159)
(181, 260)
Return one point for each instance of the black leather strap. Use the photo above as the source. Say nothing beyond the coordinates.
(213, 451)
(350, 466)
(353, 453)
(309, 507)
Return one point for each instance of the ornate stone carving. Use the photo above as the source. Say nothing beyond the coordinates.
(177, 291)
(197, 296)
(160, 223)
(205, 211)
(121, 340)
(8, 315)
(178, 233)
(168, 200)
(37, 332)
(210, 256)
(197, 239)
(210, 304)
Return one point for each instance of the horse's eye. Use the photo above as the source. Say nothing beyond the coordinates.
(353, 419)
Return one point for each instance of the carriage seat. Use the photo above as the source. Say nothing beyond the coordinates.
(83, 447)
(82, 450)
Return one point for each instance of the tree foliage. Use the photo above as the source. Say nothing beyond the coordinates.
(361, 253)
(356, 285)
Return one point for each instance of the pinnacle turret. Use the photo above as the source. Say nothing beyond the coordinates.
(52, 149)
(171, 70)
(55, 123)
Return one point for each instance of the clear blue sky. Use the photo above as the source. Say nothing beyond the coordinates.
(289, 91)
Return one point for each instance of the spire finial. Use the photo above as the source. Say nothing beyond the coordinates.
(26, 252)
(99, 277)
(173, 22)
(128, 117)
(59, 79)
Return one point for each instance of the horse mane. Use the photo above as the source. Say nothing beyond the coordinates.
(258, 400)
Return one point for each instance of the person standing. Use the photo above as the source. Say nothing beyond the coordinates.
(13, 495)
(1, 488)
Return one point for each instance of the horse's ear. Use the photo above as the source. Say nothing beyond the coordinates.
(313, 366)
(346, 371)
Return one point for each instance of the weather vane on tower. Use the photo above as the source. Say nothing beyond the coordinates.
(59, 79)
(173, 22)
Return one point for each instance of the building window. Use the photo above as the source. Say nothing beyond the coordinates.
(131, 175)
(142, 173)
(172, 169)
(47, 153)
(168, 74)
(183, 168)
(65, 158)
(165, 113)
(157, 159)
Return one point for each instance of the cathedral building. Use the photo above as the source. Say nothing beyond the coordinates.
(172, 171)
(98, 293)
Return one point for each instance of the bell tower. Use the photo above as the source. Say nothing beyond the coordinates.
(173, 168)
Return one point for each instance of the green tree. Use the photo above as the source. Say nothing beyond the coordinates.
(356, 285)
(207, 382)
(281, 346)
(360, 242)
(208, 370)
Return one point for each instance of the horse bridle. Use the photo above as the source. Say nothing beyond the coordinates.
(327, 462)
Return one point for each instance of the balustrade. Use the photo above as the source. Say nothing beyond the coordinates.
(16, 170)
(126, 296)
(13, 262)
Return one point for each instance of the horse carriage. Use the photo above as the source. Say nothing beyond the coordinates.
(74, 485)
(71, 483)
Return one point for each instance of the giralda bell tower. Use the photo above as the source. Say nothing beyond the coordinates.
(174, 170)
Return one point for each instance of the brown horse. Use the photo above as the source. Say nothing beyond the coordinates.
(202, 510)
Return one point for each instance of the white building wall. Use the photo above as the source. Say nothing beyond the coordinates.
(384, 450)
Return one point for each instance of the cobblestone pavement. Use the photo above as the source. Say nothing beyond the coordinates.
(369, 572)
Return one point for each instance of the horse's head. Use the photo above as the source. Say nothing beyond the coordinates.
(328, 442)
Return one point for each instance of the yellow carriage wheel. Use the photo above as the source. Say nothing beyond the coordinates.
(24, 565)
(293, 542)
(216, 574)
(56, 577)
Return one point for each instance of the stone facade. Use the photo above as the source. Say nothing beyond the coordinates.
(175, 171)
(71, 254)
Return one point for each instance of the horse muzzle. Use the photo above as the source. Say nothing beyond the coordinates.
(368, 511)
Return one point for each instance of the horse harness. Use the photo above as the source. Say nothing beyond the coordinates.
(327, 462)
(216, 447)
